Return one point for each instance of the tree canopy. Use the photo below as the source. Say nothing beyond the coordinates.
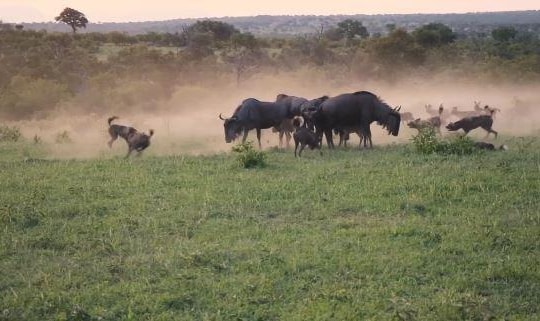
(72, 17)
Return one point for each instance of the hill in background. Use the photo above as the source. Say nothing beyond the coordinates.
(264, 25)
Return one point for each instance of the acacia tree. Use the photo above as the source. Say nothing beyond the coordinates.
(72, 17)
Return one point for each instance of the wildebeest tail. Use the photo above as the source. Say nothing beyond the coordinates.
(111, 119)
(151, 132)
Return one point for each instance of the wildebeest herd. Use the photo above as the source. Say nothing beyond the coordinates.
(307, 121)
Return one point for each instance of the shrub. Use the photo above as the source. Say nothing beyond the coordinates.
(426, 142)
(9, 134)
(63, 137)
(248, 157)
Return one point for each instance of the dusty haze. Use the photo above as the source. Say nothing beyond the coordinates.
(191, 125)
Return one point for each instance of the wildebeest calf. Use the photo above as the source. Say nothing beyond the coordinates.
(303, 136)
(470, 123)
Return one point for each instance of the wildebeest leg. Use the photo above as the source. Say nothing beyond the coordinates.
(281, 138)
(295, 146)
(288, 138)
(246, 131)
(329, 141)
(259, 137)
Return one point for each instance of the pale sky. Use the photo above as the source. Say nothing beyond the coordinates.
(152, 10)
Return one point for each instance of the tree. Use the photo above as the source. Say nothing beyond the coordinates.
(351, 29)
(434, 35)
(504, 34)
(72, 17)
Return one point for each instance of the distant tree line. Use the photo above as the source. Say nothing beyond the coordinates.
(43, 70)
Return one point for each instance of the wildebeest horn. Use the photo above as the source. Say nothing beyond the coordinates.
(221, 117)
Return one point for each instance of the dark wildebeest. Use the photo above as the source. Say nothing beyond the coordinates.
(345, 134)
(136, 140)
(294, 104)
(470, 123)
(303, 136)
(354, 110)
(255, 114)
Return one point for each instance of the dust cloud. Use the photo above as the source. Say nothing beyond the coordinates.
(188, 122)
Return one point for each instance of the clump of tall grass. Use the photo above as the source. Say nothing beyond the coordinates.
(427, 142)
(248, 157)
(9, 134)
(63, 138)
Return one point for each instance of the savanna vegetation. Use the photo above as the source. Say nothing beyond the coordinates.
(114, 72)
(431, 230)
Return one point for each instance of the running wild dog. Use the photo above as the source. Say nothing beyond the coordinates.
(136, 140)
(469, 123)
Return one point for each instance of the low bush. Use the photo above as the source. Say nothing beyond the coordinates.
(248, 157)
(9, 134)
(426, 142)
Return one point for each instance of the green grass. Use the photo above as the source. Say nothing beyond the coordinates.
(386, 234)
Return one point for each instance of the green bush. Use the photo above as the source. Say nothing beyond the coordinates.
(9, 134)
(248, 157)
(426, 142)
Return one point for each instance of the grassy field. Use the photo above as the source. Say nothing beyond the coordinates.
(385, 234)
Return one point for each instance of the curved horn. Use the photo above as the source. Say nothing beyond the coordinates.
(221, 117)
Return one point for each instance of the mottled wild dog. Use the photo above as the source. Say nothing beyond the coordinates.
(433, 122)
(303, 136)
(136, 140)
(118, 130)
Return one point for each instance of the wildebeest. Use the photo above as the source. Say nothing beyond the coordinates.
(470, 123)
(255, 114)
(136, 140)
(303, 136)
(353, 110)
(344, 134)
(286, 128)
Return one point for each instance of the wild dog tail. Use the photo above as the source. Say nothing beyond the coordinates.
(503, 147)
(151, 132)
(111, 119)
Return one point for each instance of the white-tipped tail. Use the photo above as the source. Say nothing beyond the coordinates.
(503, 147)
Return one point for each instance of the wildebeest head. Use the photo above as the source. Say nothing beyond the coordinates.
(392, 121)
(232, 127)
